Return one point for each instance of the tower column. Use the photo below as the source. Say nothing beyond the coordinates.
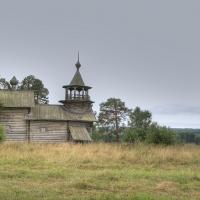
(79, 94)
(75, 93)
(83, 93)
(70, 94)
(66, 94)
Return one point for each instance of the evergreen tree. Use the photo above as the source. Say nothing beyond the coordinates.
(112, 114)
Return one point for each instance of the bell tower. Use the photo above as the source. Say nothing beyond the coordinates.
(77, 99)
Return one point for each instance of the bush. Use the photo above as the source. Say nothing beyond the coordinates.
(2, 134)
(132, 135)
(160, 135)
(103, 135)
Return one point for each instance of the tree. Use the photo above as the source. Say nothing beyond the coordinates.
(141, 129)
(102, 134)
(139, 122)
(134, 135)
(160, 135)
(139, 118)
(13, 84)
(112, 113)
(32, 83)
(4, 85)
(28, 83)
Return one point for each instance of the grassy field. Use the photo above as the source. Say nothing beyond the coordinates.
(98, 171)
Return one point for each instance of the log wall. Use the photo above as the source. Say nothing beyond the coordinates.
(14, 123)
(48, 131)
(19, 129)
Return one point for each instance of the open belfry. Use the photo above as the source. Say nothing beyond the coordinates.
(72, 120)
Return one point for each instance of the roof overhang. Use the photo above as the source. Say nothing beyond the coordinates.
(79, 133)
(78, 87)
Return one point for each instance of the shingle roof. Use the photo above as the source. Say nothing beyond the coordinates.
(77, 79)
(17, 98)
(57, 112)
(79, 133)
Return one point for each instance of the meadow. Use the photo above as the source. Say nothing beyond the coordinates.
(99, 171)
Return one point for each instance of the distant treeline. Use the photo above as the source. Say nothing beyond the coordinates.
(182, 136)
(188, 135)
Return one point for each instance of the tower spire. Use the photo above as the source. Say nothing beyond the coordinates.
(78, 64)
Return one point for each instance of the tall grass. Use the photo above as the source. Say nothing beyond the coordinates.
(129, 154)
(99, 171)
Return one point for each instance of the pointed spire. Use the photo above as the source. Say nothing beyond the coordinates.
(78, 64)
(77, 79)
(78, 56)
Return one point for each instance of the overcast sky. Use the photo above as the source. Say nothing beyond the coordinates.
(146, 52)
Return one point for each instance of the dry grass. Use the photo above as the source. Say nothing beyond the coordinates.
(98, 171)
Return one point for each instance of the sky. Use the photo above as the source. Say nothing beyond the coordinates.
(145, 52)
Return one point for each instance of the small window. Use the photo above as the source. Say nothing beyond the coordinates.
(43, 130)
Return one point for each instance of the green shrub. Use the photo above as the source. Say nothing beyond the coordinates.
(103, 135)
(2, 134)
(132, 135)
(160, 135)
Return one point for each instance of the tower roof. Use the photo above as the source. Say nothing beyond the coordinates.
(77, 91)
(77, 79)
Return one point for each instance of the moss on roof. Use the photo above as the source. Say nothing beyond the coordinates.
(17, 98)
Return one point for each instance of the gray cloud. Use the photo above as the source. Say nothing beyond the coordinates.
(176, 110)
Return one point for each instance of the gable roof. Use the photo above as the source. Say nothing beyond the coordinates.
(58, 113)
(14, 99)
